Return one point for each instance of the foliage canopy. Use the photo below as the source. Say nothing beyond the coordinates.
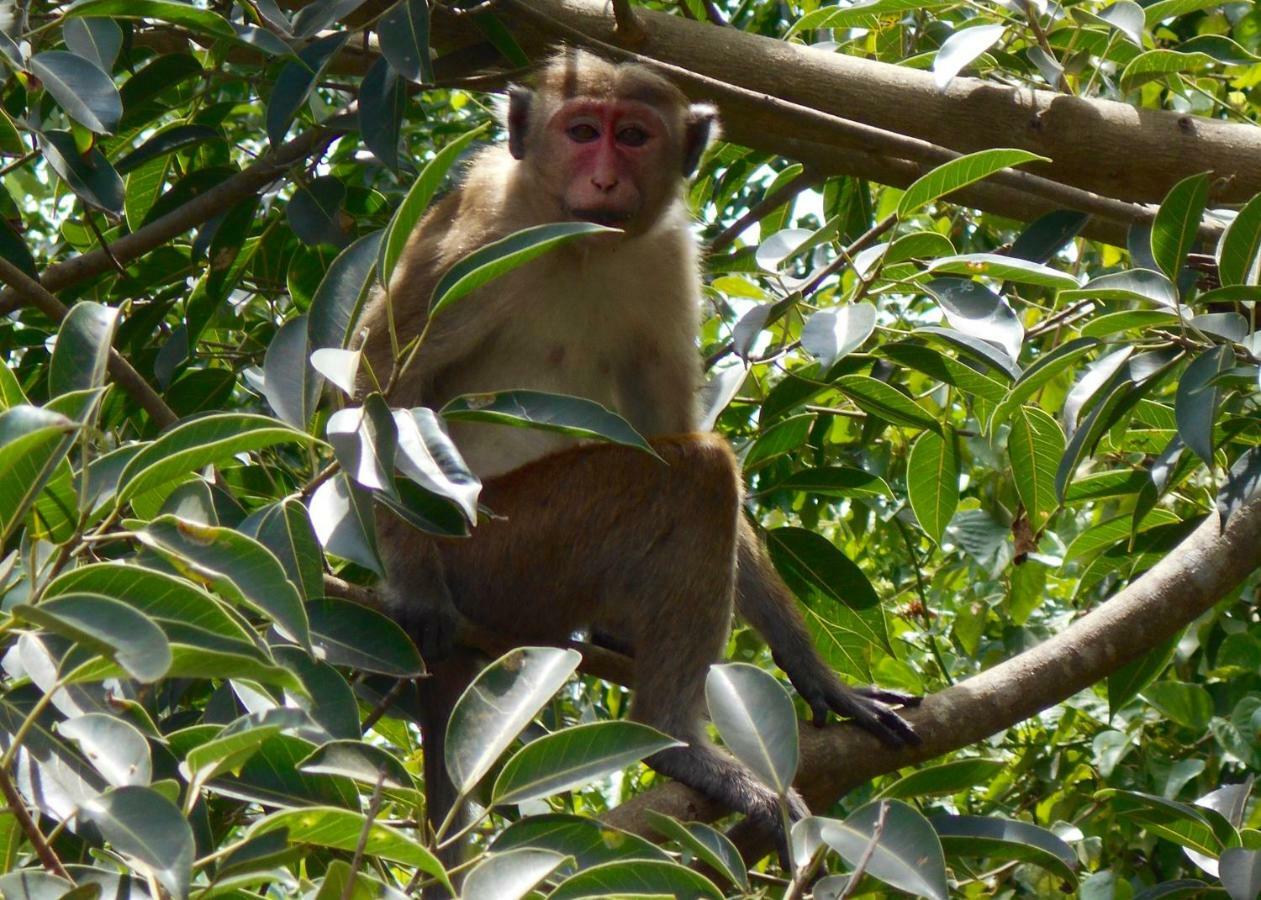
(960, 431)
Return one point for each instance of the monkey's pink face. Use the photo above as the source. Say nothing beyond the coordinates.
(615, 158)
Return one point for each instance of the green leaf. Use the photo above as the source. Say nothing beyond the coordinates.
(1003, 268)
(83, 345)
(382, 108)
(363, 762)
(500, 257)
(1128, 320)
(428, 456)
(1035, 446)
(994, 838)
(193, 445)
(1041, 373)
(285, 529)
(1187, 704)
(365, 440)
(831, 334)
(707, 844)
(979, 312)
(1240, 871)
(511, 875)
(240, 568)
(1125, 683)
(588, 841)
(950, 777)
(961, 172)
(417, 201)
(141, 823)
(10, 138)
(238, 741)
(1186, 825)
(833, 481)
(499, 703)
(755, 717)
(866, 13)
(1154, 64)
(176, 13)
(1133, 284)
(159, 595)
(842, 609)
(574, 416)
(342, 515)
(932, 481)
(352, 635)
(906, 854)
(404, 36)
(108, 627)
(165, 141)
(33, 442)
(885, 401)
(80, 88)
(637, 878)
(116, 749)
(946, 369)
(342, 829)
(1088, 433)
(296, 81)
(89, 175)
(95, 40)
(574, 756)
(335, 306)
(1197, 399)
(1239, 250)
(1177, 222)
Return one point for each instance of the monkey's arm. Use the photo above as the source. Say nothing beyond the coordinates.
(765, 602)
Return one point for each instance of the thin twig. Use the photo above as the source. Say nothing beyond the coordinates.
(764, 207)
(220, 198)
(17, 806)
(32, 293)
(356, 862)
(100, 239)
(383, 706)
(863, 861)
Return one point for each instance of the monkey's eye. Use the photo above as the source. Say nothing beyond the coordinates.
(632, 136)
(582, 133)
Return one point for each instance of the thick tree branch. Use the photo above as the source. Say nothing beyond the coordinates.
(1203, 570)
(1103, 146)
(197, 211)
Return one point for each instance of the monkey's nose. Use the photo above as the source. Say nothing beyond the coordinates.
(605, 183)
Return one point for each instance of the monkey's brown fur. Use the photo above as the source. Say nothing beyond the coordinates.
(593, 536)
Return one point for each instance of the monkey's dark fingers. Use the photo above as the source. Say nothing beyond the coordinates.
(875, 717)
(886, 696)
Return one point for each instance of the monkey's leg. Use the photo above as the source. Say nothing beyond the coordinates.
(643, 551)
(765, 602)
(438, 693)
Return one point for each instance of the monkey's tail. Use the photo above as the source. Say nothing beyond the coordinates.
(438, 694)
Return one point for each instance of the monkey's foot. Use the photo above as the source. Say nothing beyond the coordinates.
(870, 708)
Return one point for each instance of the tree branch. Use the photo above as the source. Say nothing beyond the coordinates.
(1203, 570)
(834, 129)
(1102, 146)
(31, 292)
(197, 211)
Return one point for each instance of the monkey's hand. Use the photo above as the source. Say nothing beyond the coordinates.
(869, 707)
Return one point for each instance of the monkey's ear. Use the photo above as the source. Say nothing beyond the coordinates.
(518, 119)
(700, 127)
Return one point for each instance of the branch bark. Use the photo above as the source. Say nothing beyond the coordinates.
(218, 199)
(1103, 146)
(1203, 570)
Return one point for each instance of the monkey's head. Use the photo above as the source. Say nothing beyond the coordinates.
(606, 143)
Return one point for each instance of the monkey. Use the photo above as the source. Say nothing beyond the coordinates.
(648, 553)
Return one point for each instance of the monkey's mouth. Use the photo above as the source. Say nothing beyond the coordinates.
(610, 218)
